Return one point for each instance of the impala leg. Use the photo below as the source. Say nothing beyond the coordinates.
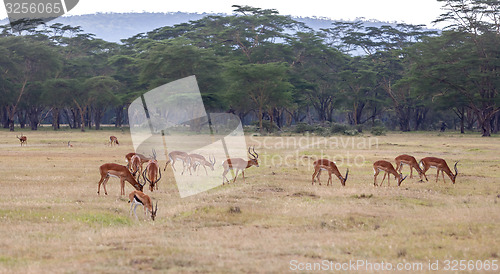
(243, 173)
(329, 178)
(103, 177)
(411, 172)
(236, 175)
(104, 185)
(376, 172)
(205, 170)
(437, 176)
(319, 175)
(135, 207)
(442, 173)
(314, 174)
(122, 186)
(385, 173)
(224, 176)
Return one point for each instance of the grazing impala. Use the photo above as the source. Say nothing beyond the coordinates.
(118, 171)
(113, 140)
(409, 160)
(129, 156)
(440, 165)
(139, 198)
(150, 174)
(178, 155)
(239, 164)
(389, 169)
(23, 139)
(324, 164)
(198, 160)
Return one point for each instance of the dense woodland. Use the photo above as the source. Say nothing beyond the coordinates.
(271, 70)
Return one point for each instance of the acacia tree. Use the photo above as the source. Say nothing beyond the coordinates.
(474, 72)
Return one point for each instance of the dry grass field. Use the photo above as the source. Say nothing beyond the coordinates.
(52, 220)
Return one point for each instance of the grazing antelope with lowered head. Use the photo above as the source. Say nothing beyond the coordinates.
(135, 165)
(412, 162)
(118, 171)
(113, 140)
(179, 155)
(69, 144)
(23, 139)
(198, 160)
(139, 198)
(440, 165)
(331, 167)
(383, 165)
(239, 164)
(129, 156)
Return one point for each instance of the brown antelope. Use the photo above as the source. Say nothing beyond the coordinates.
(23, 139)
(198, 160)
(239, 164)
(331, 167)
(139, 198)
(389, 169)
(135, 165)
(440, 165)
(69, 144)
(412, 162)
(129, 156)
(179, 155)
(118, 171)
(113, 140)
(150, 174)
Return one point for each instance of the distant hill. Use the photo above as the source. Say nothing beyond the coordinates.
(113, 27)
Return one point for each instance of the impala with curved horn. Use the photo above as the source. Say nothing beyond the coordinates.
(239, 164)
(150, 174)
(440, 165)
(383, 165)
(331, 167)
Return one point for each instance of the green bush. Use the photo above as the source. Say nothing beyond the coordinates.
(378, 130)
(338, 128)
(351, 132)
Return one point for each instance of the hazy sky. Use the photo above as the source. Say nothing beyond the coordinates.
(408, 11)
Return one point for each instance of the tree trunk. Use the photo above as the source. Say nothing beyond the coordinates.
(34, 113)
(55, 118)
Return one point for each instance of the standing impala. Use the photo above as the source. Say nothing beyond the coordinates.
(139, 198)
(118, 171)
(150, 174)
(198, 160)
(440, 165)
(113, 140)
(179, 155)
(412, 162)
(331, 167)
(239, 164)
(23, 139)
(382, 165)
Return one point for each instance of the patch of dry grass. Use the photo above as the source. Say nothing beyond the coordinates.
(51, 218)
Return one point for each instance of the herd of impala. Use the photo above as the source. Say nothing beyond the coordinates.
(151, 174)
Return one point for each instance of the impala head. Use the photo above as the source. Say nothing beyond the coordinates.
(401, 178)
(212, 162)
(454, 176)
(345, 178)
(153, 213)
(253, 160)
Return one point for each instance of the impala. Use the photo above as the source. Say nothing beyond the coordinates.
(135, 165)
(150, 174)
(129, 156)
(69, 144)
(440, 165)
(118, 171)
(324, 164)
(178, 155)
(409, 160)
(139, 198)
(389, 169)
(113, 140)
(239, 164)
(23, 139)
(198, 160)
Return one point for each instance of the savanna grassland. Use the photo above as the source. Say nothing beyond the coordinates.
(51, 218)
